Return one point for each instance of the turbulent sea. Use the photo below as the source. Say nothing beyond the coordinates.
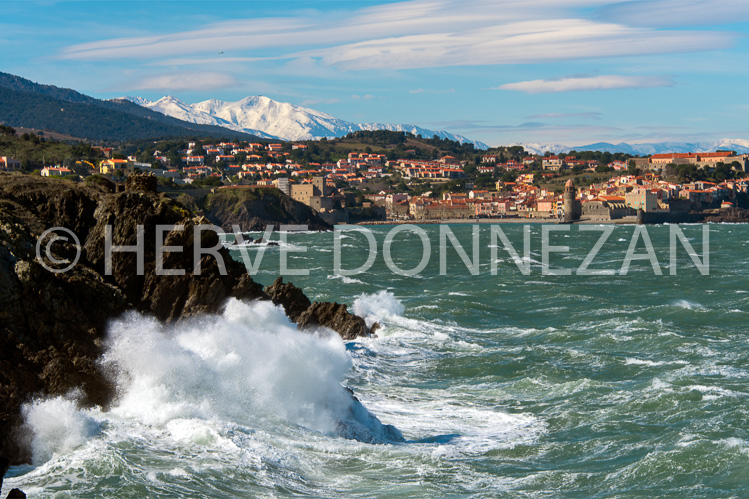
(506, 385)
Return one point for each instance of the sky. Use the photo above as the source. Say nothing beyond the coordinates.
(570, 72)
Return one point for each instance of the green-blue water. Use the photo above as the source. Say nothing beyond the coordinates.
(502, 385)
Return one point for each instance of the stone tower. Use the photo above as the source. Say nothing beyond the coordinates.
(319, 186)
(570, 204)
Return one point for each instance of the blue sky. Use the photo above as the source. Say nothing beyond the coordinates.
(551, 71)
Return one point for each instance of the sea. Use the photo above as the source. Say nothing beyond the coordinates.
(491, 375)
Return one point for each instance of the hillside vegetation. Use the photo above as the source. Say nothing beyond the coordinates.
(254, 209)
(24, 103)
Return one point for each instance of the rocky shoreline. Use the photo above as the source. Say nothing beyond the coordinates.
(52, 325)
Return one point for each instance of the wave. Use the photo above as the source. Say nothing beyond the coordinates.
(377, 306)
(688, 305)
(346, 280)
(247, 367)
(58, 426)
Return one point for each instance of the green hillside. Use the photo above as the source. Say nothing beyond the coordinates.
(24, 103)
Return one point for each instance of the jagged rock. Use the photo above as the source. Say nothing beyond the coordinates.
(16, 494)
(735, 215)
(336, 317)
(52, 325)
(292, 299)
(306, 314)
(254, 209)
(144, 182)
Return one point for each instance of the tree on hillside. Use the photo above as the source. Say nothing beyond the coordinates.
(470, 170)
(632, 168)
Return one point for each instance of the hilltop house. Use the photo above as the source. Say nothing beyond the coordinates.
(7, 163)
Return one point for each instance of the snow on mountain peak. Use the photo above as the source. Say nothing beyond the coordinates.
(263, 116)
(135, 100)
(741, 146)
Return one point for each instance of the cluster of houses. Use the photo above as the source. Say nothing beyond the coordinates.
(656, 161)
(618, 197)
(269, 165)
(551, 163)
(446, 167)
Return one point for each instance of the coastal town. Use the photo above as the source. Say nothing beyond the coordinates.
(384, 186)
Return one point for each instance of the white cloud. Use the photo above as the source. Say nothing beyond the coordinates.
(677, 12)
(602, 82)
(590, 115)
(516, 43)
(414, 34)
(198, 80)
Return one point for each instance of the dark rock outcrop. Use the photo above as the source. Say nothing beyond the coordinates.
(143, 183)
(255, 209)
(292, 299)
(735, 215)
(336, 317)
(308, 315)
(52, 325)
(16, 494)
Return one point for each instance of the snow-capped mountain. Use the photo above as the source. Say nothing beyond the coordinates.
(536, 148)
(741, 146)
(265, 117)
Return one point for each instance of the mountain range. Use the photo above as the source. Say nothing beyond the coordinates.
(741, 146)
(271, 119)
(27, 104)
(24, 103)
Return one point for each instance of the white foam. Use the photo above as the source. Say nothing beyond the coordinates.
(249, 366)
(57, 426)
(641, 362)
(688, 305)
(712, 392)
(346, 280)
(378, 306)
(249, 361)
(457, 430)
(659, 384)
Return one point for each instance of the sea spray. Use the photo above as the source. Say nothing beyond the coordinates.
(377, 306)
(57, 426)
(246, 367)
(546, 404)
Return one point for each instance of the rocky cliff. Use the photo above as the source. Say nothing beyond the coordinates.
(733, 216)
(52, 324)
(254, 209)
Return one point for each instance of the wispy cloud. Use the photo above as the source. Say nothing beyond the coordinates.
(204, 61)
(563, 116)
(196, 81)
(529, 126)
(601, 82)
(660, 13)
(414, 34)
(516, 43)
